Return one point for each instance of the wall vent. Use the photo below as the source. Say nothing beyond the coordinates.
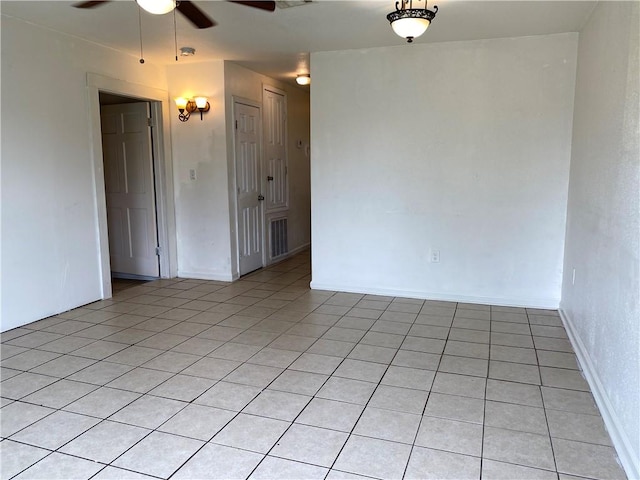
(278, 238)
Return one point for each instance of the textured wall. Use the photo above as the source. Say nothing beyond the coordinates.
(50, 246)
(603, 227)
(202, 219)
(460, 147)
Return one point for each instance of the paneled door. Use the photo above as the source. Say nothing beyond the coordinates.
(129, 185)
(275, 129)
(248, 187)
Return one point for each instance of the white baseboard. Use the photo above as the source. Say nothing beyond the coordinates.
(220, 277)
(225, 277)
(290, 254)
(546, 303)
(629, 460)
(299, 249)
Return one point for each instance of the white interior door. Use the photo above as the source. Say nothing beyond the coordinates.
(249, 202)
(275, 115)
(129, 184)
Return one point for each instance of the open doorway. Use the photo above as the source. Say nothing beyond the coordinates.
(129, 179)
(158, 101)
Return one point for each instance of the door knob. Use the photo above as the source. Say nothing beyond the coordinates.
(260, 197)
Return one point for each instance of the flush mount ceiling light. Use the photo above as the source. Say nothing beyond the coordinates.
(409, 22)
(157, 7)
(303, 79)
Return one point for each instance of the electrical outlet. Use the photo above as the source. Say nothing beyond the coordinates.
(434, 256)
(192, 174)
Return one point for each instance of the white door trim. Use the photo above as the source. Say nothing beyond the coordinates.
(234, 197)
(163, 172)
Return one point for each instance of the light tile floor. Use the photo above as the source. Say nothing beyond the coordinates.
(266, 379)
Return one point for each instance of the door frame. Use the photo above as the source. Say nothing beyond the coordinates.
(251, 103)
(163, 167)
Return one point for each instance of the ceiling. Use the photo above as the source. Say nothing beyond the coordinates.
(278, 43)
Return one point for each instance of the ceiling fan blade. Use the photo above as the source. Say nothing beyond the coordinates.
(195, 15)
(92, 4)
(263, 5)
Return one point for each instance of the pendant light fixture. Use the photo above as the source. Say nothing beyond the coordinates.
(409, 22)
(157, 7)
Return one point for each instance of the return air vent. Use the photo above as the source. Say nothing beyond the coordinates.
(278, 237)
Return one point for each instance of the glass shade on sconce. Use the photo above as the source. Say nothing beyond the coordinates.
(157, 7)
(185, 107)
(201, 102)
(181, 103)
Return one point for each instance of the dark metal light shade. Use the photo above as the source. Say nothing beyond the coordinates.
(410, 22)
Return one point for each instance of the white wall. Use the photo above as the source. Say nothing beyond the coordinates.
(50, 251)
(202, 206)
(459, 147)
(205, 215)
(50, 242)
(243, 83)
(299, 130)
(601, 309)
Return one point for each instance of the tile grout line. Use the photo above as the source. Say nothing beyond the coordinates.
(263, 347)
(204, 443)
(238, 413)
(312, 398)
(415, 437)
(544, 406)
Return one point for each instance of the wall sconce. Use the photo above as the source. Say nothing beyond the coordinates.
(191, 105)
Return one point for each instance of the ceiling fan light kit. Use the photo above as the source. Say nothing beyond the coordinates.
(185, 7)
(187, 106)
(408, 22)
(188, 9)
(157, 7)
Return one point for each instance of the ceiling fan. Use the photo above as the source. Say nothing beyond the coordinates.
(192, 13)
